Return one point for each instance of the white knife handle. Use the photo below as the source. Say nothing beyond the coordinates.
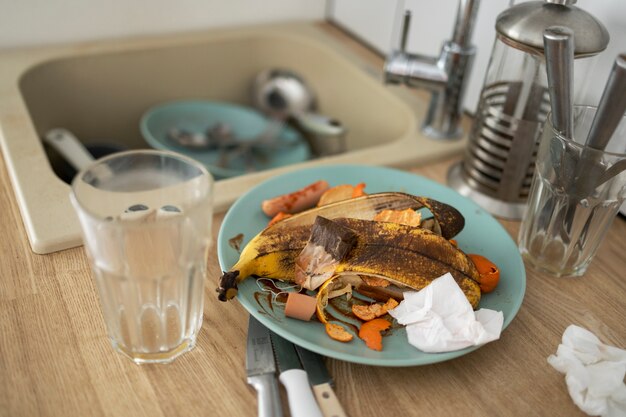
(301, 400)
(268, 397)
(328, 401)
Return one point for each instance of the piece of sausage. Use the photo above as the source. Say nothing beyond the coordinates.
(297, 201)
(300, 306)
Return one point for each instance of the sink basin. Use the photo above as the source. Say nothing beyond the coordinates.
(99, 91)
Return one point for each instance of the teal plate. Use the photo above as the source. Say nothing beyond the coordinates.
(246, 124)
(482, 235)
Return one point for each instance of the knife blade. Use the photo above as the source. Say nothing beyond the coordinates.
(322, 383)
(295, 380)
(261, 369)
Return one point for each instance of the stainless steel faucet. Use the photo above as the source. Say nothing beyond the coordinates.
(445, 76)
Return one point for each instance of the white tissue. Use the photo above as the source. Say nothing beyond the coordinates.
(440, 319)
(594, 372)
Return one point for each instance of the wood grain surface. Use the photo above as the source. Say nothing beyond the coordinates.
(56, 360)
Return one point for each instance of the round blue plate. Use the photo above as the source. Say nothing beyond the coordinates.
(246, 124)
(482, 235)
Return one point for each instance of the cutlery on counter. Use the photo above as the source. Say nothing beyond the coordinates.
(261, 369)
(321, 382)
(309, 390)
(295, 380)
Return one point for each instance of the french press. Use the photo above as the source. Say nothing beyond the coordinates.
(499, 162)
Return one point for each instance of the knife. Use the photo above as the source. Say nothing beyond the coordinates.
(321, 382)
(295, 380)
(261, 369)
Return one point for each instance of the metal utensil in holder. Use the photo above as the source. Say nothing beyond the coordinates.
(498, 166)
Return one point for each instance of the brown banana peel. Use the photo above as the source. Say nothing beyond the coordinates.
(408, 256)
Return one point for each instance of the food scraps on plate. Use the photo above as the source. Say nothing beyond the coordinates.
(331, 241)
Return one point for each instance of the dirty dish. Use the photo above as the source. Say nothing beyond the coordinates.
(245, 216)
(246, 124)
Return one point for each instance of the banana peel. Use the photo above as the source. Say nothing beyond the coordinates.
(446, 221)
(409, 256)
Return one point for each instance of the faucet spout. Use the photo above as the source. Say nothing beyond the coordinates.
(445, 76)
(416, 71)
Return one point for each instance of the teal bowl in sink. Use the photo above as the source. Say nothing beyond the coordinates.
(246, 124)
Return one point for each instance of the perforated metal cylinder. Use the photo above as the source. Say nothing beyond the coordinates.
(499, 162)
(514, 103)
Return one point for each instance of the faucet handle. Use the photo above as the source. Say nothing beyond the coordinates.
(406, 23)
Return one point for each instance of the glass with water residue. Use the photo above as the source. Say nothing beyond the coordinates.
(574, 197)
(146, 222)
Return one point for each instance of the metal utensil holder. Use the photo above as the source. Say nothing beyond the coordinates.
(500, 158)
(499, 162)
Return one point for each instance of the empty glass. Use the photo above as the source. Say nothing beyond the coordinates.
(575, 195)
(146, 222)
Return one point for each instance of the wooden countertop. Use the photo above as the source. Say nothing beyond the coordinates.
(56, 360)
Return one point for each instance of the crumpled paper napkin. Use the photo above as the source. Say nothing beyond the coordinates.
(440, 319)
(594, 372)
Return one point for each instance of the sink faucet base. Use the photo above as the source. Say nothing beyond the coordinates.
(444, 112)
(445, 76)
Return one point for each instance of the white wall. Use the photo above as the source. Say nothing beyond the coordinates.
(39, 22)
(378, 23)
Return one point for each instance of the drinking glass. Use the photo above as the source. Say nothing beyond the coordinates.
(573, 198)
(146, 224)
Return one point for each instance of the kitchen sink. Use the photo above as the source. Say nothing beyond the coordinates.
(100, 90)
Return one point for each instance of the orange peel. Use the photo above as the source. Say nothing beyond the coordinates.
(370, 333)
(338, 332)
